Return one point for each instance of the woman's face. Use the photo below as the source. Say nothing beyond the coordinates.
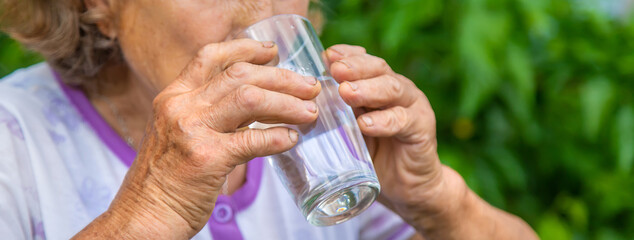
(159, 37)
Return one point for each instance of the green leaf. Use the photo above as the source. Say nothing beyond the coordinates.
(403, 16)
(481, 36)
(537, 18)
(626, 64)
(455, 159)
(575, 209)
(509, 167)
(608, 233)
(623, 138)
(551, 227)
(396, 31)
(521, 72)
(596, 102)
(489, 184)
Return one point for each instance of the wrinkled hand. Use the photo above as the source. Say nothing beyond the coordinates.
(399, 126)
(193, 141)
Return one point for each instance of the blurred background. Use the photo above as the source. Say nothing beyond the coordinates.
(534, 98)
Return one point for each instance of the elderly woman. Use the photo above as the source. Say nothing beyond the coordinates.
(156, 90)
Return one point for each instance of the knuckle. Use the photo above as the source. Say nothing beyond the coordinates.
(195, 65)
(396, 88)
(171, 104)
(383, 64)
(185, 123)
(165, 105)
(249, 97)
(391, 122)
(401, 114)
(412, 85)
(403, 117)
(206, 51)
(157, 102)
(159, 111)
(390, 119)
(238, 70)
(425, 141)
(398, 118)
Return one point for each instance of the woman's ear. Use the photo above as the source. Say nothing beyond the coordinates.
(99, 12)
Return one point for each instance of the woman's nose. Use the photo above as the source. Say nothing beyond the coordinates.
(252, 11)
(248, 12)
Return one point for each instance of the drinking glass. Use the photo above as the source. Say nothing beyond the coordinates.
(329, 172)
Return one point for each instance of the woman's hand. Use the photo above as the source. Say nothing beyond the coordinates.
(398, 123)
(400, 129)
(193, 141)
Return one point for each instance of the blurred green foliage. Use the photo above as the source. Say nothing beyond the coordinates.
(13, 56)
(534, 99)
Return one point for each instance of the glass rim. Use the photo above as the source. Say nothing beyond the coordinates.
(259, 22)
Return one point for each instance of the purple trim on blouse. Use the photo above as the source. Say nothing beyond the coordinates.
(119, 147)
(244, 196)
(222, 224)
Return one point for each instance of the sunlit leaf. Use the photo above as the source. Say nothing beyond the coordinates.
(537, 18)
(403, 16)
(481, 76)
(552, 227)
(576, 210)
(596, 101)
(520, 68)
(623, 138)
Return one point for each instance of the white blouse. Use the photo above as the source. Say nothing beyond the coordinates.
(61, 165)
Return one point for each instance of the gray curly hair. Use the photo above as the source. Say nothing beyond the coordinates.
(64, 32)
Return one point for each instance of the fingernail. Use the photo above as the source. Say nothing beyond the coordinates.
(293, 135)
(345, 63)
(268, 44)
(310, 80)
(332, 53)
(353, 86)
(367, 120)
(311, 106)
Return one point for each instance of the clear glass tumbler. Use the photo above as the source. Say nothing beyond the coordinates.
(329, 172)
